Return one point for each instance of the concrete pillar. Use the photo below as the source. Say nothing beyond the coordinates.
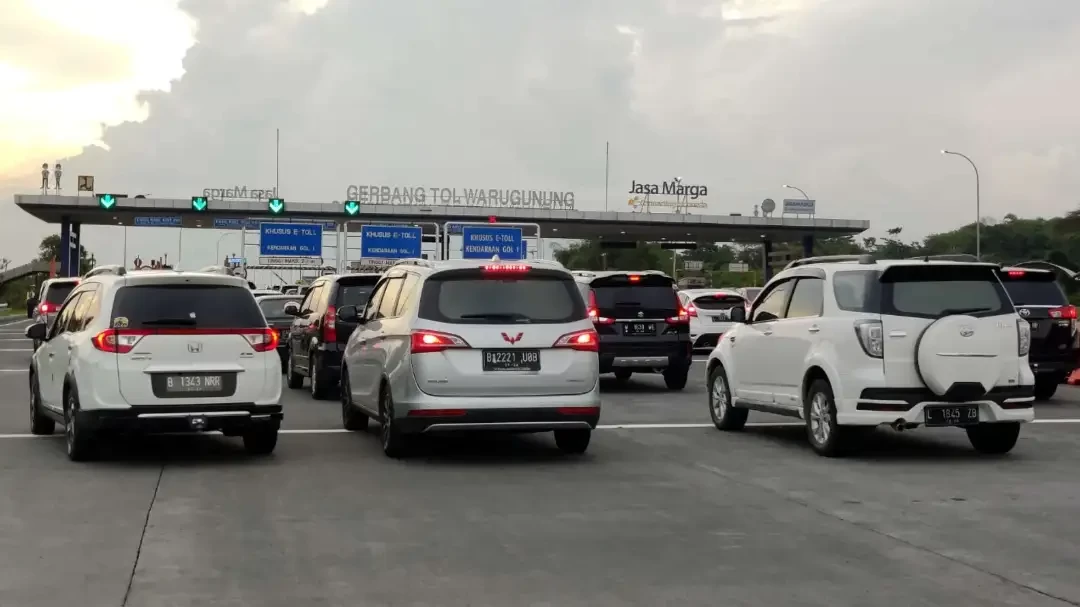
(62, 252)
(74, 248)
(766, 246)
(808, 245)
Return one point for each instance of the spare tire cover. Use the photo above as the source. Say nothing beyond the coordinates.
(959, 349)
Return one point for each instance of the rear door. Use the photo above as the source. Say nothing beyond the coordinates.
(191, 341)
(714, 310)
(912, 296)
(639, 304)
(351, 291)
(500, 329)
(1040, 301)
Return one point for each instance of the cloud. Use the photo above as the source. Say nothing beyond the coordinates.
(848, 99)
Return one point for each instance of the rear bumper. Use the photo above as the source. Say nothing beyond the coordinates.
(1059, 364)
(232, 418)
(517, 419)
(659, 354)
(876, 406)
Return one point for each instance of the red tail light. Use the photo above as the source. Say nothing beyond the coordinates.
(584, 341)
(435, 341)
(505, 268)
(261, 340)
(118, 341)
(594, 312)
(1016, 273)
(44, 308)
(634, 278)
(579, 410)
(122, 341)
(1064, 313)
(692, 311)
(329, 325)
(683, 317)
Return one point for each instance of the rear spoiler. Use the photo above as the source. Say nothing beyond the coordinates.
(1049, 266)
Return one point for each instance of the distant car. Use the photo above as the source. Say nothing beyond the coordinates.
(1041, 302)
(710, 314)
(50, 297)
(273, 309)
(750, 293)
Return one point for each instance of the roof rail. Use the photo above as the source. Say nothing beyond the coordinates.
(116, 269)
(947, 257)
(806, 261)
(414, 261)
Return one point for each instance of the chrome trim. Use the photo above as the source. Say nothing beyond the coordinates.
(198, 414)
(640, 320)
(965, 355)
(640, 361)
(543, 426)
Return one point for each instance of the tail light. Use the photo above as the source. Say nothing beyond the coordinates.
(118, 341)
(122, 341)
(44, 308)
(682, 317)
(329, 325)
(584, 341)
(505, 268)
(594, 312)
(692, 311)
(434, 341)
(871, 337)
(262, 340)
(1023, 338)
(1016, 273)
(1064, 313)
(634, 278)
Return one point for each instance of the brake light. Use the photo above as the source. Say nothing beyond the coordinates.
(329, 326)
(261, 340)
(682, 317)
(1064, 313)
(1015, 273)
(594, 312)
(505, 268)
(118, 341)
(634, 278)
(43, 308)
(871, 338)
(691, 310)
(434, 341)
(584, 341)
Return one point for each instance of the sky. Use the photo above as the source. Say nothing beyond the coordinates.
(850, 100)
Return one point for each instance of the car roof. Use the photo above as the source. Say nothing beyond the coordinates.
(169, 278)
(57, 281)
(590, 275)
(279, 296)
(725, 291)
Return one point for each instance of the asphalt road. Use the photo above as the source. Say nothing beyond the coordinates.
(663, 510)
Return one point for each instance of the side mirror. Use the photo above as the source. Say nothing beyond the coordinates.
(37, 331)
(292, 308)
(348, 314)
(738, 314)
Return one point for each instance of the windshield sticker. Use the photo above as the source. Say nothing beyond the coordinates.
(120, 322)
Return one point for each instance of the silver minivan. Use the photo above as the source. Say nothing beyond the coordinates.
(472, 345)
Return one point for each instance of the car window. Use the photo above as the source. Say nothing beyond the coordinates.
(388, 303)
(806, 299)
(933, 291)
(858, 291)
(58, 292)
(63, 319)
(275, 308)
(196, 306)
(625, 295)
(772, 307)
(1033, 288)
(371, 308)
(410, 291)
(306, 305)
(355, 291)
(532, 296)
(85, 312)
(718, 301)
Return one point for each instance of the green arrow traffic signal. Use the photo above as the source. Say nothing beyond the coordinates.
(199, 203)
(352, 207)
(276, 205)
(106, 201)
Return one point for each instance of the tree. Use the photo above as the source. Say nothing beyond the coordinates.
(49, 249)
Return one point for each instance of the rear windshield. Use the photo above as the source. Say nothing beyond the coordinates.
(1034, 289)
(620, 296)
(355, 291)
(275, 308)
(186, 306)
(933, 291)
(467, 297)
(57, 293)
(719, 301)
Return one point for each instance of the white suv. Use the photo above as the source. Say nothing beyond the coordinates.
(156, 352)
(850, 346)
(464, 345)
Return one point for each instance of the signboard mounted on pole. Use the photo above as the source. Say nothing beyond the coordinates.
(484, 242)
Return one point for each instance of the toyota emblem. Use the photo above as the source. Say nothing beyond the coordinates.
(1025, 312)
(966, 331)
(641, 315)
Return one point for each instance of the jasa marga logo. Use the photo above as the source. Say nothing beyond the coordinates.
(669, 188)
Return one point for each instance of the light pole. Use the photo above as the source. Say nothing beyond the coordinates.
(978, 210)
(217, 249)
(799, 190)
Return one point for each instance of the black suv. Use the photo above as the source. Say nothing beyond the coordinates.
(1054, 342)
(317, 338)
(642, 325)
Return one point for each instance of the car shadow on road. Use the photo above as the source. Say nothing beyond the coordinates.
(484, 449)
(652, 383)
(884, 444)
(160, 449)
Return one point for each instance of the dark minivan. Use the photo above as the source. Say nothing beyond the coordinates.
(317, 338)
(642, 325)
(1040, 300)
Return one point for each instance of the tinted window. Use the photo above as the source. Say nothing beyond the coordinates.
(806, 300)
(187, 305)
(935, 291)
(772, 307)
(389, 299)
(1034, 289)
(857, 291)
(752, 293)
(275, 308)
(409, 292)
(624, 296)
(718, 301)
(58, 292)
(469, 297)
(355, 291)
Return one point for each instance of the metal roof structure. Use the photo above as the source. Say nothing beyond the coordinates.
(573, 224)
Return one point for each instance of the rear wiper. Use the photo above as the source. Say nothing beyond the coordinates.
(951, 311)
(183, 322)
(510, 316)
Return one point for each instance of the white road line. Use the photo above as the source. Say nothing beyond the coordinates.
(14, 370)
(16, 349)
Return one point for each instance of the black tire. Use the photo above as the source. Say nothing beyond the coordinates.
(724, 415)
(623, 375)
(395, 443)
(80, 442)
(573, 442)
(994, 439)
(40, 424)
(352, 418)
(1046, 386)
(292, 379)
(825, 436)
(320, 389)
(260, 441)
(675, 377)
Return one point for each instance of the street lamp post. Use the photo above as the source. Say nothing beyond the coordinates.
(799, 190)
(217, 249)
(978, 209)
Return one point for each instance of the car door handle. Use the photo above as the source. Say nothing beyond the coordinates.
(767, 332)
(813, 329)
(51, 355)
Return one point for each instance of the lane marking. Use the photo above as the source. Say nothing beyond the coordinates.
(16, 349)
(14, 370)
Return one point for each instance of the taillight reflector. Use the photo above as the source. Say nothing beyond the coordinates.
(505, 268)
(594, 312)
(579, 410)
(692, 311)
(1064, 313)
(1016, 273)
(329, 326)
(434, 341)
(437, 412)
(585, 341)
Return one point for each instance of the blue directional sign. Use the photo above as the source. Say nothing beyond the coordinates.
(159, 221)
(482, 242)
(290, 239)
(391, 242)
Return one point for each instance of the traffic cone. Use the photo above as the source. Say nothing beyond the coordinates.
(1074, 378)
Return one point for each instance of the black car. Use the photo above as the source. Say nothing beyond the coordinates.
(1040, 300)
(642, 325)
(317, 337)
(273, 308)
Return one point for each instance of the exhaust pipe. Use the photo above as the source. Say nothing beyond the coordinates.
(899, 425)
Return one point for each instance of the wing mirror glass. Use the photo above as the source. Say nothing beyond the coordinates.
(37, 331)
(348, 314)
(292, 309)
(738, 314)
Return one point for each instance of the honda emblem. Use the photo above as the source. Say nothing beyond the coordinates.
(514, 339)
(194, 347)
